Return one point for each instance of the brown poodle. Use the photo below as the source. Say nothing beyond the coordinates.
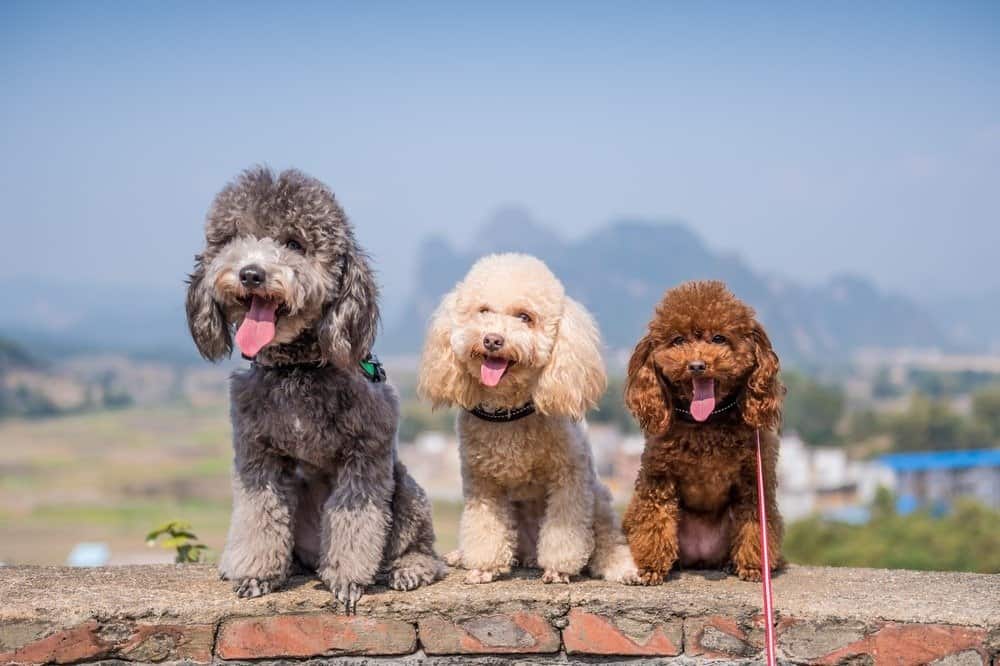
(700, 383)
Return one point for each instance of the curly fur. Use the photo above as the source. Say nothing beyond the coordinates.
(316, 477)
(695, 501)
(531, 494)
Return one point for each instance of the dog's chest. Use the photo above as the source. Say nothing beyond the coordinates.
(520, 456)
(293, 413)
(706, 472)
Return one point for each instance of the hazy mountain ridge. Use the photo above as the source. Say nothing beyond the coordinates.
(620, 271)
(52, 318)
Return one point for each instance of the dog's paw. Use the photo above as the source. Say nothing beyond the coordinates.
(749, 574)
(551, 576)
(404, 580)
(477, 576)
(414, 574)
(453, 558)
(647, 577)
(630, 578)
(248, 588)
(348, 595)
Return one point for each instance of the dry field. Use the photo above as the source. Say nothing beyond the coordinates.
(112, 476)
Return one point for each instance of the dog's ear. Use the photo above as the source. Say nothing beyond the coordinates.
(644, 394)
(764, 391)
(574, 379)
(206, 321)
(442, 379)
(347, 330)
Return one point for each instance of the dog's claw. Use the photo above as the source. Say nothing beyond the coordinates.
(476, 576)
(650, 578)
(248, 588)
(551, 576)
(631, 578)
(752, 575)
(404, 580)
(347, 595)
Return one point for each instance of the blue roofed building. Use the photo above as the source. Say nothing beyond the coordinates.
(935, 478)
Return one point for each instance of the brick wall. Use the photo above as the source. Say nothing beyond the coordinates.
(162, 614)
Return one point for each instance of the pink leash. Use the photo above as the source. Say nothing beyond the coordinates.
(765, 563)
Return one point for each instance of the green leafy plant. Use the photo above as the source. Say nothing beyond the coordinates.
(180, 538)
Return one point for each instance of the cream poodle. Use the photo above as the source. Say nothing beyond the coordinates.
(523, 362)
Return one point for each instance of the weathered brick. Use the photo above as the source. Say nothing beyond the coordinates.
(717, 637)
(63, 646)
(904, 644)
(811, 641)
(312, 635)
(506, 633)
(588, 633)
(190, 643)
(964, 658)
(136, 642)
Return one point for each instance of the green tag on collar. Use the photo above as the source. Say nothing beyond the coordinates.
(372, 368)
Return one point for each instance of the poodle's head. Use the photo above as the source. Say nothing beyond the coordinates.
(704, 351)
(281, 268)
(508, 334)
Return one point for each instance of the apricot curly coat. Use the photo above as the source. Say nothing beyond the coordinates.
(531, 492)
(695, 501)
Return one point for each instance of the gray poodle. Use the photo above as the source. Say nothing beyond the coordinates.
(316, 479)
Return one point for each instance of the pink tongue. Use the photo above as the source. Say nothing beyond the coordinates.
(257, 328)
(492, 370)
(704, 398)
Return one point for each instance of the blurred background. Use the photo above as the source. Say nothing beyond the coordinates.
(836, 164)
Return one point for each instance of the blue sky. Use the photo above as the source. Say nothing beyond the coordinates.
(811, 138)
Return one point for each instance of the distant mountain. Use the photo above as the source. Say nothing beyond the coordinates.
(15, 357)
(972, 320)
(52, 318)
(619, 272)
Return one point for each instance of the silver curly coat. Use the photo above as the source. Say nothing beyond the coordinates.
(316, 477)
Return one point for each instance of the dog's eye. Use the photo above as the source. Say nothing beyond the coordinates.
(483, 310)
(525, 317)
(293, 245)
(679, 340)
(719, 339)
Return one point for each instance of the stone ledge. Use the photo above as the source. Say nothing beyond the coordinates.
(185, 614)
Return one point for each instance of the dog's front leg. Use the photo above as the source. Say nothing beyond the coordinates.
(486, 534)
(258, 551)
(355, 523)
(745, 551)
(566, 537)
(650, 525)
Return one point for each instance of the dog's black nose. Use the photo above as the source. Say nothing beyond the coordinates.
(696, 367)
(252, 276)
(493, 342)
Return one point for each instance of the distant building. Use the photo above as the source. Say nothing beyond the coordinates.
(935, 478)
(824, 480)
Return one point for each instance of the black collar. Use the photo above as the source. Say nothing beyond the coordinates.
(724, 407)
(503, 415)
(370, 366)
(308, 365)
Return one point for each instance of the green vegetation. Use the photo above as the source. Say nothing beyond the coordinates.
(181, 539)
(417, 417)
(941, 384)
(812, 409)
(612, 410)
(25, 401)
(966, 539)
(930, 424)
